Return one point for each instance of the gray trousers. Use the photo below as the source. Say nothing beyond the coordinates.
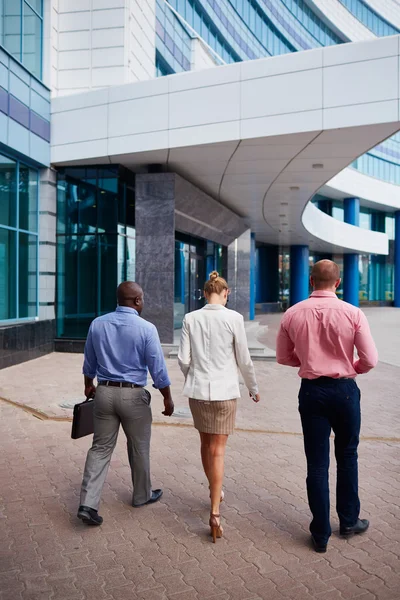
(113, 406)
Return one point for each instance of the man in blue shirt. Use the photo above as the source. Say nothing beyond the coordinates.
(120, 349)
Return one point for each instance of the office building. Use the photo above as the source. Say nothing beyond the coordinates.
(157, 140)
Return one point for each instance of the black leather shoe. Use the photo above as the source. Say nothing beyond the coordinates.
(318, 547)
(155, 496)
(360, 527)
(89, 516)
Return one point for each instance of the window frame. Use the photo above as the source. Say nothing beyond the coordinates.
(17, 230)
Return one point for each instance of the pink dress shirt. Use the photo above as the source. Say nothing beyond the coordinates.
(319, 335)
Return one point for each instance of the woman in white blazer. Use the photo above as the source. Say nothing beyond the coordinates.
(213, 347)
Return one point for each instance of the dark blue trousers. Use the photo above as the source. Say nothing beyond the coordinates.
(331, 404)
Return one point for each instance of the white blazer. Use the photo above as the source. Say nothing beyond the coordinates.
(213, 346)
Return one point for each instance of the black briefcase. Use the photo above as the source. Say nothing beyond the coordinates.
(82, 422)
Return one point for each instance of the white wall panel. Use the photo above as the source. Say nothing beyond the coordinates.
(281, 94)
(203, 106)
(357, 83)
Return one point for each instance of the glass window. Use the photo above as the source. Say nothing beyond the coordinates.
(8, 286)
(37, 5)
(95, 243)
(12, 30)
(32, 41)
(28, 198)
(21, 32)
(27, 277)
(8, 191)
(18, 240)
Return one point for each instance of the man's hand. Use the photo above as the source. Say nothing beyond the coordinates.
(168, 403)
(169, 407)
(90, 388)
(255, 397)
(90, 391)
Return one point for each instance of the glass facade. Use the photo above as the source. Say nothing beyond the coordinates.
(376, 271)
(18, 240)
(96, 243)
(21, 32)
(246, 29)
(195, 258)
(369, 17)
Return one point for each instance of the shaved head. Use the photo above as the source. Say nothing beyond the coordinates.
(325, 275)
(130, 294)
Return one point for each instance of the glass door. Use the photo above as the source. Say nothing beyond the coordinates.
(196, 281)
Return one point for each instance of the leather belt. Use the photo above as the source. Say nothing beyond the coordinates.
(120, 384)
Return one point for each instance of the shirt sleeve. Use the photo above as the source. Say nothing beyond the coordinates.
(243, 357)
(155, 360)
(90, 359)
(285, 352)
(366, 349)
(185, 353)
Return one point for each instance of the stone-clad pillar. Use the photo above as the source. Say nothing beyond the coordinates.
(239, 255)
(155, 249)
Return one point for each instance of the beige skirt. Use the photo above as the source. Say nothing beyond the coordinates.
(214, 416)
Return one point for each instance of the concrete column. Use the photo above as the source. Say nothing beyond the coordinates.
(299, 273)
(397, 260)
(351, 279)
(47, 243)
(267, 274)
(155, 249)
(239, 252)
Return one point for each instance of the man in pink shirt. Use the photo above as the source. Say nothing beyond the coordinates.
(319, 335)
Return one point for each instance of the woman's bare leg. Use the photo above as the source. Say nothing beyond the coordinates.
(205, 453)
(217, 446)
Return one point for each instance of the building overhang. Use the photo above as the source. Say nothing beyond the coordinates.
(261, 137)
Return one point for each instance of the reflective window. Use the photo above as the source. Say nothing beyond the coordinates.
(21, 32)
(379, 168)
(96, 243)
(369, 17)
(18, 240)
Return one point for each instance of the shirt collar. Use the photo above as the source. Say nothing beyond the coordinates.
(213, 306)
(323, 294)
(127, 309)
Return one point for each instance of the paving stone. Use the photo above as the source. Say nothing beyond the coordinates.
(164, 552)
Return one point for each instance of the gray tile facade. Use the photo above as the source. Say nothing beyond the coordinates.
(155, 249)
(239, 273)
(165, 203)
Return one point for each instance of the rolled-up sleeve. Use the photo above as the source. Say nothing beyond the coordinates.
(90, 359)
(366, 349)
(155, 360)
(285, 352)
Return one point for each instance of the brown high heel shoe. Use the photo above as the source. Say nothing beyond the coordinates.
(216, 529)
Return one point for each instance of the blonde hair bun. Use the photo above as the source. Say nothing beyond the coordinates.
(214, 275)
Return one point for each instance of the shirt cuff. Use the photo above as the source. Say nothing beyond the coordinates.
(90, 375)
(162, 383)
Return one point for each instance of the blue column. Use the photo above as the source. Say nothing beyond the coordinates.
(252, 311)
(397, 260)
(299, 274)
(351, 275)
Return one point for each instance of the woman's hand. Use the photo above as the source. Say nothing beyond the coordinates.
(255, 397)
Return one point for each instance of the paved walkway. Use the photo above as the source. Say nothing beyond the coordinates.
(164, 552)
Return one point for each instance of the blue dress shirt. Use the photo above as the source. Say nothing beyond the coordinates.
(121, 346)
